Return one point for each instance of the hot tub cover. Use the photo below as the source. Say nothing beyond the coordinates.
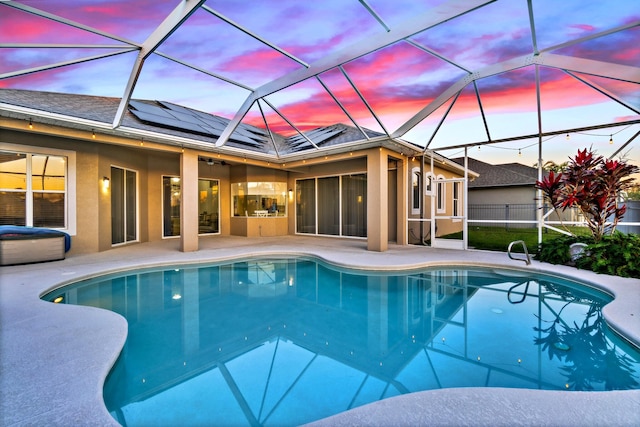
(17, 232)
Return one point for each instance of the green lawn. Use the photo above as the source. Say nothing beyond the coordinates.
(498, 238)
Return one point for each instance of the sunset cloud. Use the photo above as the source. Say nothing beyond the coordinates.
(396, 81)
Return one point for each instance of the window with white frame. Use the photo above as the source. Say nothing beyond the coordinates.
(428, 183)
(457, 207)
(440, 194)
(34, 189)
(416, 193)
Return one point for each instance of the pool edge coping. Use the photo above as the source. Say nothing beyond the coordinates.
(616, 289)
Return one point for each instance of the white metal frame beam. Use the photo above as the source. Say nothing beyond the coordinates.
(586, 66)
(438, 15)
(159, 35)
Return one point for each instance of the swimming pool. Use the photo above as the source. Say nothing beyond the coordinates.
(287, 341)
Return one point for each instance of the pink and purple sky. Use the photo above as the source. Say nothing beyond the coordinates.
(396, 82)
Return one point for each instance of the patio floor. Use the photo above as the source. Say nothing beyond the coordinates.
(54, 358)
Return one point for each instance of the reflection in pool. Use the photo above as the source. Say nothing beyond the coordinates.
(289, 341)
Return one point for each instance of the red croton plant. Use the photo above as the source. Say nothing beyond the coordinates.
(593, 184)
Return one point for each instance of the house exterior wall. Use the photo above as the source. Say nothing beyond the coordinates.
(503, 195)
(93, 159)
(515, 203)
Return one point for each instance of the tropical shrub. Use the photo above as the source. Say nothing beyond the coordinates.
(592, 184)
(615, 254)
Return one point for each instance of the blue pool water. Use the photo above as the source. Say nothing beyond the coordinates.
(289, 341)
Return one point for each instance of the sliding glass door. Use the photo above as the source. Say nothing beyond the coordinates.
(306, 206)
(124, 205)
(333, 206)
(329, 206)
(354, 205)
(208, 206)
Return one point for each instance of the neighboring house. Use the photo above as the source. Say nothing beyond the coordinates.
(504, 192)
(508, 183)
(164, 173)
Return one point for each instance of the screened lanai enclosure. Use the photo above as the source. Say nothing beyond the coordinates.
(503, 82)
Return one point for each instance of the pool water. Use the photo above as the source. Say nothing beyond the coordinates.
(290, 341)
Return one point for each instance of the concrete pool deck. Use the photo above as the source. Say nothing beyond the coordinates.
(54, 358)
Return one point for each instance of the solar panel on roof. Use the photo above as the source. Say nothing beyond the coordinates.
(318, 136)
(254, 129)
(149, 108)
(177, 117)
(186, 117)
(215, 124)
(251, 135)
(171, 122)
(175, 107)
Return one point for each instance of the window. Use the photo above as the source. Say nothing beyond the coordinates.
(416, 193)
(456, 199)
(440, 194)
(428, 183)
(259, 199)
(33, 190)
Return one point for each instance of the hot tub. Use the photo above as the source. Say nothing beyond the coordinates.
(25, 245)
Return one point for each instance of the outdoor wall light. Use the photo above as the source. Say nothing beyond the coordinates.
(105, 183)
(290, 194)
(30, 124)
